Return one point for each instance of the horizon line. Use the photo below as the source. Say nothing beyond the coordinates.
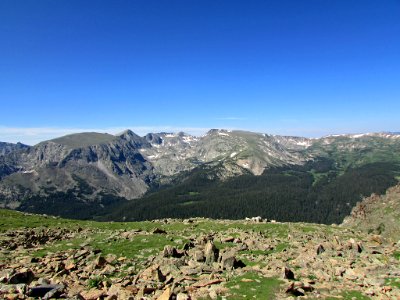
(34, 135)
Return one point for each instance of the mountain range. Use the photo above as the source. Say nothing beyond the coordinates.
(223, 174)
(6, 148)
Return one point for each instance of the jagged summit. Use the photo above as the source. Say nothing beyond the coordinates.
(134, 139)
(126, 132)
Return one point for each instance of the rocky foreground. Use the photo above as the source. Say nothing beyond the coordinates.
(50, 258)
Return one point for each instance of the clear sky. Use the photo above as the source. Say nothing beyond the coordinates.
(311, 67)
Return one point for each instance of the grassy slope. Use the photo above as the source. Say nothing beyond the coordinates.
(144, 245)
(248, 286)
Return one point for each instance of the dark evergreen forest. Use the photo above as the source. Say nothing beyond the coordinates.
(315, 192)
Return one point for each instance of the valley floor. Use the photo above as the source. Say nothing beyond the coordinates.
(49, 257)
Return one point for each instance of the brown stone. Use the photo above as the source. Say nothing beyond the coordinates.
(377, 239)
(228, 262)
(70, 266)
(350, 274)
(228, 239)
(166, 295)
(92, 294)
(110, 258)
(210, 253)
(153, 273)
(100, 261)
(339, 271)
(11, 296)
(207, 283)
(170, 251)
(118, 292)
(108, 270)
(182, 296)
(198, 256)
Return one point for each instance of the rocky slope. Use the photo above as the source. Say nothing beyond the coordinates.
(95, 169)
(91, 163)
(6, 148)
(378, 214)
(192, 259)
(172, 153)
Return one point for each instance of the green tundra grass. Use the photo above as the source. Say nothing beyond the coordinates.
(106, 237)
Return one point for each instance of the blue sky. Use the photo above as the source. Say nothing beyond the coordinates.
(310, 68)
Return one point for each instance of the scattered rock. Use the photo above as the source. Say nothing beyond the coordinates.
(170, 251)
(110, 258)
(43, 281)
(339, 271)
(200, 269)
(210, 253)
(159, 231)
(320, 249)
(22, 276)
(198, 256)
(166, 295)
(47, 291)
(182, 296)
(296, 291)
(153, 273)
(228, 261)
(228, 239)
(5, 274)
(92, 294)
(100, 261)
(207, 283)
(288, 274)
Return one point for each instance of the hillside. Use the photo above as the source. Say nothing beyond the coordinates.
(315, 192)
(378, 214)
(50, 257)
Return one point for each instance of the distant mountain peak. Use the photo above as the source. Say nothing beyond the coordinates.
(128, 134)
(218, 132)
(393, 132)
(383, 134)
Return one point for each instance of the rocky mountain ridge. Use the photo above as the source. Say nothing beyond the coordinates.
(6, 148)
(93, 167)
